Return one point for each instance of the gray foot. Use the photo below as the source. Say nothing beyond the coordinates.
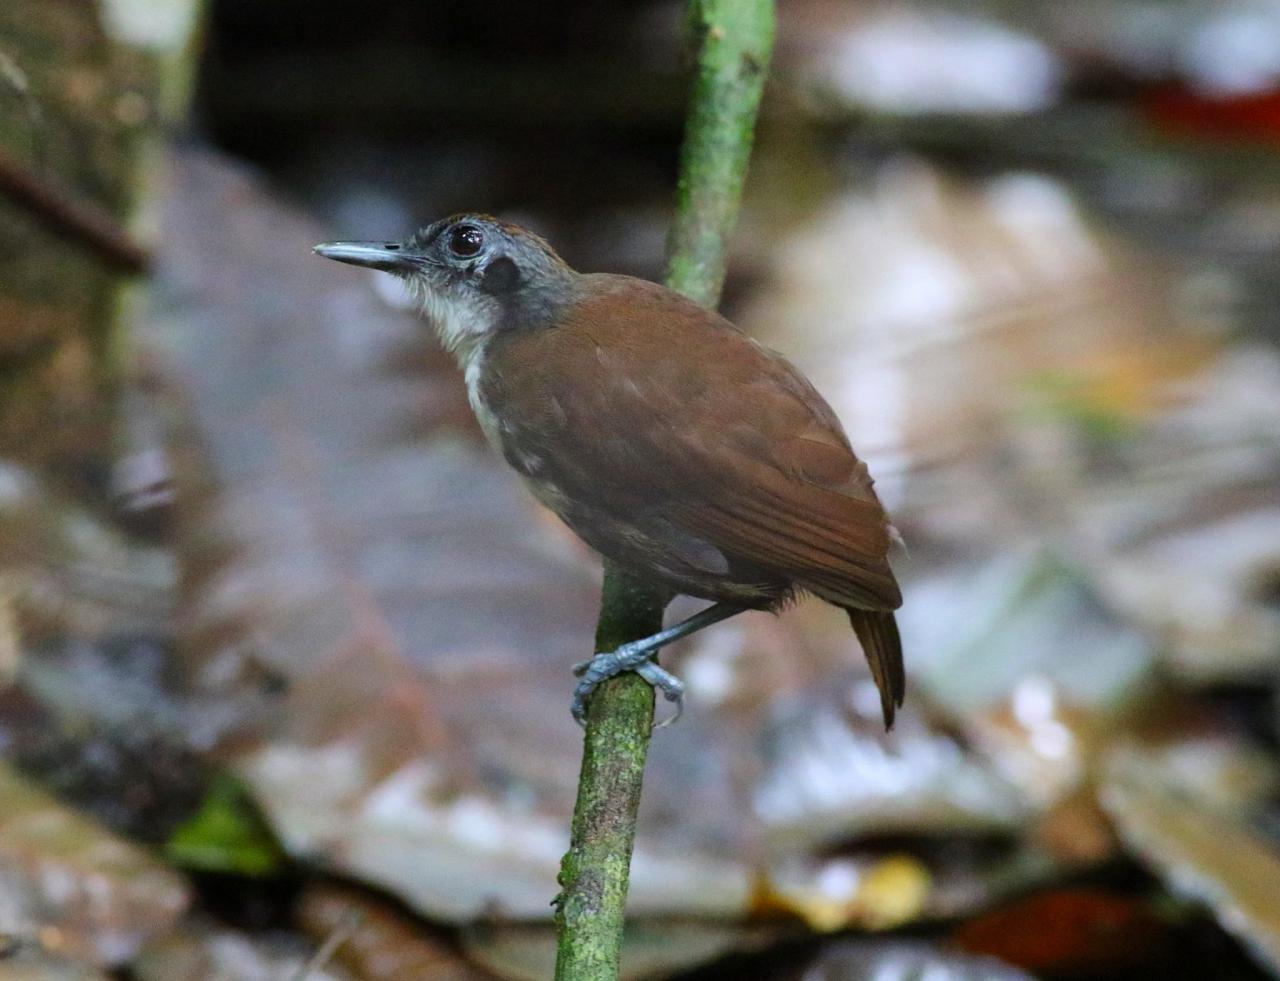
(628, 657)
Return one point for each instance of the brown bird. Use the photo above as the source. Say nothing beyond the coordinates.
(670, 441)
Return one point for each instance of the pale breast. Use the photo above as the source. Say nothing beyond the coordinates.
(472, 360)
(525, 462)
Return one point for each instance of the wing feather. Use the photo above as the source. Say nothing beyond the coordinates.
(702, 427)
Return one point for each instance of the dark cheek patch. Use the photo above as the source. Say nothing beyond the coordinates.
(501, 276)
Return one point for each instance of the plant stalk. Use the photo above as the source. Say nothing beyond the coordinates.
(734, 40)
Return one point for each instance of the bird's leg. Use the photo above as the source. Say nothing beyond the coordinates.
(638, 656)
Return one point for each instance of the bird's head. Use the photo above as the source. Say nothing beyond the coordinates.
(473, 275)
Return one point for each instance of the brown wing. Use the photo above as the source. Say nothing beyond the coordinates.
(642, 399)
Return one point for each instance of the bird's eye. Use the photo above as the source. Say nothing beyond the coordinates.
(465, 241)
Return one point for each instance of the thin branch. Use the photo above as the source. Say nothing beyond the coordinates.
(343, 930)
(735, 40)
(71, 215)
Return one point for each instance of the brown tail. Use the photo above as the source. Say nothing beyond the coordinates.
(878, 633)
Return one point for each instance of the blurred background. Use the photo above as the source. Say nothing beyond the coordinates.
(285, 650)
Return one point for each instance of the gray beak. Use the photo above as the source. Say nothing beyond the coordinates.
(387, 256)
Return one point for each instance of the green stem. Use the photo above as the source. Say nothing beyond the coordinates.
(735, 40)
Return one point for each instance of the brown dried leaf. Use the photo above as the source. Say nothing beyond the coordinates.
(1200, 845)
(382, 943)
(75, 887)
(391, 578)
(201, 951)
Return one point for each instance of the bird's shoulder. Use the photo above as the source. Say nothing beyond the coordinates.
(633, 356)
(640, 398)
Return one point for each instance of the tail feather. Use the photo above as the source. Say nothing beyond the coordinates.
(877, 631)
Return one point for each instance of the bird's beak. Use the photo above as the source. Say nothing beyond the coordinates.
(387, 256)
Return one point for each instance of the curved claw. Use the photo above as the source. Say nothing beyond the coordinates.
(610, 664)
(579, 706)
(672, 688)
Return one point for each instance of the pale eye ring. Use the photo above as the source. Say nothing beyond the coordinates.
(465, 241)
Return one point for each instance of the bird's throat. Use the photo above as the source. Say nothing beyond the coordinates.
(461, 322)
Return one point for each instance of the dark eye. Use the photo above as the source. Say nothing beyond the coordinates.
(465, 241)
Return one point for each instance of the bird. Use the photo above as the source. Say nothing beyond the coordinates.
(670, 441)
